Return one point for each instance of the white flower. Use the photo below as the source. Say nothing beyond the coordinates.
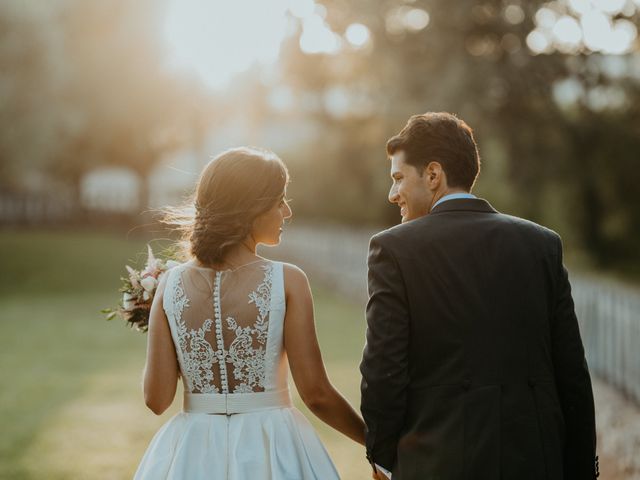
(149, 284)
(146, 296)
(172, 263)
(128, 301)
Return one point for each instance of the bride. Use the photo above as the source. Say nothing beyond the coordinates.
(232, 324)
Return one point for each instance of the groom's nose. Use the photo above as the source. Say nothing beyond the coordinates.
(393, 195)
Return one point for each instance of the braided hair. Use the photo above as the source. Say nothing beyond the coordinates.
(233, 190)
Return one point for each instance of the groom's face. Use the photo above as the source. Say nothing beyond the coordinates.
(409, 190)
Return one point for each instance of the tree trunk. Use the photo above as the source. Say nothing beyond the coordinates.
(144, 212)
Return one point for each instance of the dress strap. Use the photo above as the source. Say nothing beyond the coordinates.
(273, 356)
(277, 287)
(233, 403)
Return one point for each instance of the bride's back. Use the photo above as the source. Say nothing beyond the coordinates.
(227, 326)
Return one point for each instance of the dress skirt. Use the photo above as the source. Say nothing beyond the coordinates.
(273, 444)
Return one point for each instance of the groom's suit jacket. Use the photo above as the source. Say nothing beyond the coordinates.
(474, 367)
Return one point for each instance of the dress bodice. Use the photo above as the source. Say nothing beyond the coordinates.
(237, 420)
(227, 327)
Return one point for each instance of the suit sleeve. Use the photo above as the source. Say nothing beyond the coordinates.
(384, 365)
(573, 382)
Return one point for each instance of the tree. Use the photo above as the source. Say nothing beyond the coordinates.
(543, 161)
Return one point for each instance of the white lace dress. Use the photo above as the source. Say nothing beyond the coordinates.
(237, 421)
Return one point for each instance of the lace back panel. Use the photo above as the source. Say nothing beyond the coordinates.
(220, 325)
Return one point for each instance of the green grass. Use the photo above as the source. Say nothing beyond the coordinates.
(71, 403)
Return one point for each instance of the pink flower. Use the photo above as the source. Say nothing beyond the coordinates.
(152, 262)
(133, 276)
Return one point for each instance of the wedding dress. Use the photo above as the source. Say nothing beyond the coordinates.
(237, 422)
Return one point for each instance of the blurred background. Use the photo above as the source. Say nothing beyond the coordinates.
(109, 109)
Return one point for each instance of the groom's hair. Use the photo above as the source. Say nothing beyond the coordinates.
(439, 137)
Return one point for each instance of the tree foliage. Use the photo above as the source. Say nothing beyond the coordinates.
(88, 88)
(571, 166)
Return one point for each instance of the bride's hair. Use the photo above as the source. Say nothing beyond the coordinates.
(234, 189)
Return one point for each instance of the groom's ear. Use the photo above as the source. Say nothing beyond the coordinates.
(434, 175)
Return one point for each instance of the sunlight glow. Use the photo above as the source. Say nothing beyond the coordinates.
(514, 14)
(281, 98)
(580, 6)
(591, 25)
(357, 35)
(416, 19)
(301, 8)
(622, 37)
(317, 37)
(538, 42)
(568, 92)
(612, 7)
(567, 33)
(597, 30)
(217, 39)
(546, 18)
(605, 97)
(403, 18)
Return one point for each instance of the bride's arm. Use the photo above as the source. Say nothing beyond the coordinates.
(305, 360)
(161, 369)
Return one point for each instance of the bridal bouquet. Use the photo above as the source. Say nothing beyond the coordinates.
(138, 289)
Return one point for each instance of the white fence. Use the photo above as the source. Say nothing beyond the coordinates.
(609, 313)
(34, 209)
(60, 207)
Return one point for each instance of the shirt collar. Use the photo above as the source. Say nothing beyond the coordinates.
(453, 196)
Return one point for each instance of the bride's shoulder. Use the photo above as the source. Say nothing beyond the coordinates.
(292, 270)
(294, 278)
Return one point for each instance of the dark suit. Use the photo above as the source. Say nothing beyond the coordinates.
(474, 367)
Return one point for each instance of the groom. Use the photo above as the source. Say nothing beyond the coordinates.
(474, 368)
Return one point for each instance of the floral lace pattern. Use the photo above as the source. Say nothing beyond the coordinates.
(249, 361)
(197, 355)
(246, 352)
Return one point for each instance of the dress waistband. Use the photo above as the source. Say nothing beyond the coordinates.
(232, 403)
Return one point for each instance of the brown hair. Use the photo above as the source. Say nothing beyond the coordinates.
(443, 138)
(234, 189)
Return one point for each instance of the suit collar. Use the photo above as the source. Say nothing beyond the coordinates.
(464, 205)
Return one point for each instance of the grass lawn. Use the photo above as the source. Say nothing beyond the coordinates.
(71, 405)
